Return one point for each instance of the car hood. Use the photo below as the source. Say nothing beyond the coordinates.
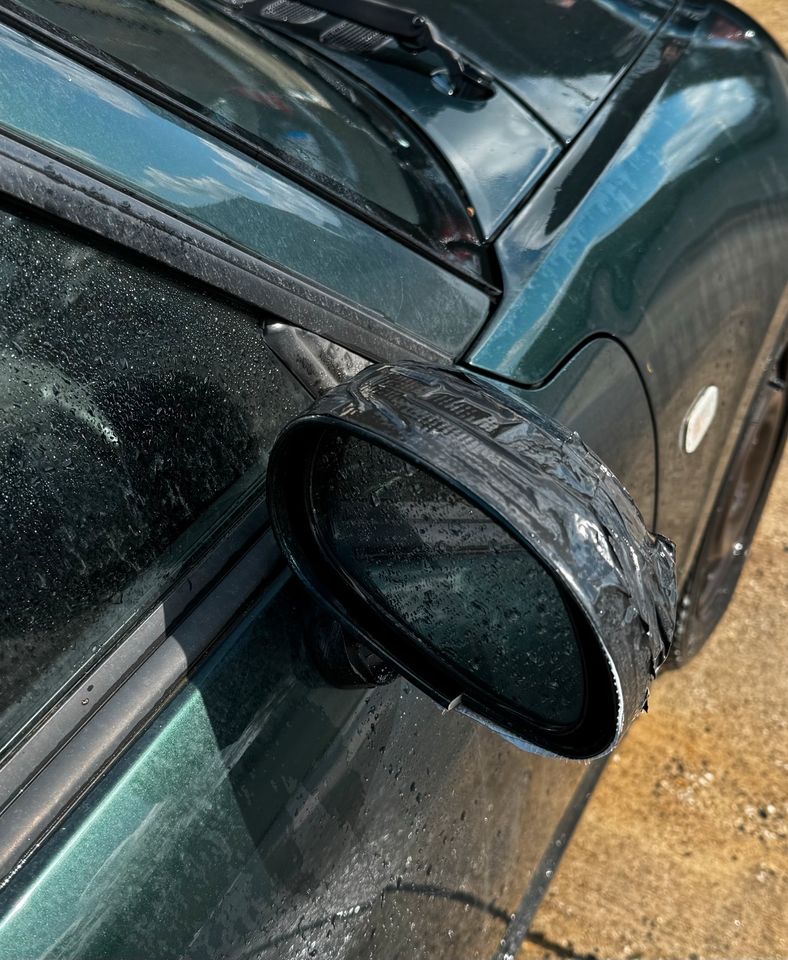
(560, 56)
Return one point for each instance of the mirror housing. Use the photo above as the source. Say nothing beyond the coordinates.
(475, 479)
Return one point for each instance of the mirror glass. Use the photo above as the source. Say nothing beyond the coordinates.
(451, 575)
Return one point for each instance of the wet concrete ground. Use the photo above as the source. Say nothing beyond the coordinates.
(683, 850)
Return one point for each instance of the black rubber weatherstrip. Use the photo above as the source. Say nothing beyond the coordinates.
(31, 176)
(48, 775)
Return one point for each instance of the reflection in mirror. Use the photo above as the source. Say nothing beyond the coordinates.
(451, 575)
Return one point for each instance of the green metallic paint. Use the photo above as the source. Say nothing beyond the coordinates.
(601, 376)
(497, 148)
(560, 56)
(665, 227)
(266, 813)
(154, 815)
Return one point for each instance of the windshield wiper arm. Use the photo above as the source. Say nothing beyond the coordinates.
(410, 30)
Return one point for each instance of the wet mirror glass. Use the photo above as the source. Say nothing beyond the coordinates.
(454, 577)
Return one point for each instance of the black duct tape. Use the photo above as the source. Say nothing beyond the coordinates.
(540, 481)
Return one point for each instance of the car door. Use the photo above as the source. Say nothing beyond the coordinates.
(264, 811)
(178, 779)
(262, 804)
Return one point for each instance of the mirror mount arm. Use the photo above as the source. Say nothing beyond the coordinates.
(343, 660)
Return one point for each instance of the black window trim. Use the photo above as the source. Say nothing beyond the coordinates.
(70, 748)
(50, 772)
(52, 36)
(39, 179)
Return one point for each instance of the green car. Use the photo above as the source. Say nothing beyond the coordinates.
(387, 397)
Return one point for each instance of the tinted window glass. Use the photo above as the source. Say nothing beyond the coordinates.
(135, 411)
(296, 105)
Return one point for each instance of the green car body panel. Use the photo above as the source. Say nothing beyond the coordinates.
(562, 59)
(259, 811)
(668, 233)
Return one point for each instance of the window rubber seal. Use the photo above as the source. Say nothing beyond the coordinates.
(104, 64)
(82, 200)
(49, 773)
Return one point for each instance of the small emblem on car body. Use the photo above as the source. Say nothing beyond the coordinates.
(699, 418)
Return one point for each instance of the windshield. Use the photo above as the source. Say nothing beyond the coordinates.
(293, 105)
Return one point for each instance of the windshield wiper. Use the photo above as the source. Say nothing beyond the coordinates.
(366, 27)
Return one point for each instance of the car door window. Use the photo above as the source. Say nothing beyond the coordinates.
(136, 413)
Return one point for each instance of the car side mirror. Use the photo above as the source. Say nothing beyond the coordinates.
(481, 550)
